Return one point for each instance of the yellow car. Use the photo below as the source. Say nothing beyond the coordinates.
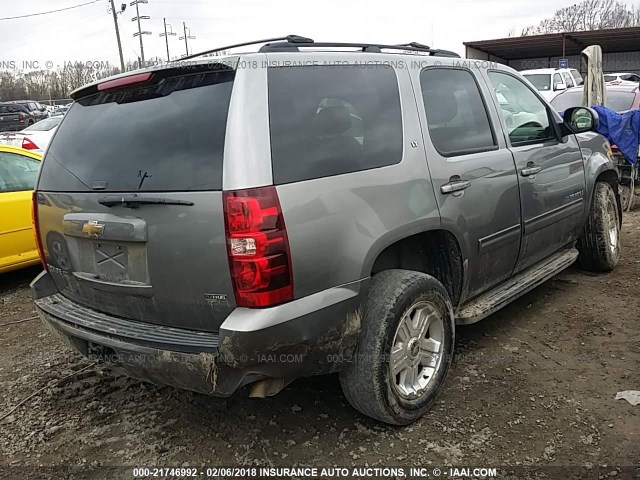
(18, 172)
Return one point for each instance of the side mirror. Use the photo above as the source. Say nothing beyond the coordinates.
(559, 86)
(581, 119)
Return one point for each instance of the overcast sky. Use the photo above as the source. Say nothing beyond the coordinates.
(87, 33)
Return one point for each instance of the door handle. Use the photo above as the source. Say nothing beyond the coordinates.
(455, 185)
(530, 170)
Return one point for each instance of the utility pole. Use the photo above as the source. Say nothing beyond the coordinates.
(166, 36)
(186, 38)
(115, 22)
(140, 33)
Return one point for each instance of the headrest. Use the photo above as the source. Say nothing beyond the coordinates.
(441, 105)
(332, 121)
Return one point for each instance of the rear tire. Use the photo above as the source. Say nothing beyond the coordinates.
(409, 323)
(599, 245)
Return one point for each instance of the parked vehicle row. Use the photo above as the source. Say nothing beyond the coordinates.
(551, 81)
(35, 137)
(209, 223)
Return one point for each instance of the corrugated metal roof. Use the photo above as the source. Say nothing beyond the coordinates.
(550, 45)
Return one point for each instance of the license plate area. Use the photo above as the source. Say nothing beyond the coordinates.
(111, 261)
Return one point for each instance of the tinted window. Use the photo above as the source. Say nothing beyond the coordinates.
(577, 76)
(542, 81)
(525, 115)
(568, 80)
(164, 137)
(610, 78)
(17, 173)
(556, 80)
(45, 125)
(330, 120)
(456, 115)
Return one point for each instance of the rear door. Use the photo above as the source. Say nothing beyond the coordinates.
(550, 169)
(130, 210)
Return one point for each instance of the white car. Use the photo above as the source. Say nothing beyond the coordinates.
(620, 78)
(551, 81)
(35, 138)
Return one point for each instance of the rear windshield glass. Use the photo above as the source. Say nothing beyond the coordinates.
(542, 82)
(167, 136)
(618, 101)
(45, 125)
(331, 120)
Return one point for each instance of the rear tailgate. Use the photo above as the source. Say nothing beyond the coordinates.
(131, 212)
(12, 138)
(10, 118)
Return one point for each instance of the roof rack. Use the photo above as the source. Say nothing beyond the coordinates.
(293, 43)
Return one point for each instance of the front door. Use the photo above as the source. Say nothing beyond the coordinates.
(550, 169)
(473, 174)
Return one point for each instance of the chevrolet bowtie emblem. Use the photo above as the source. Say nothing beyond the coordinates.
(93, 229)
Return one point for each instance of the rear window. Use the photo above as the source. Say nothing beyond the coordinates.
(168, 136)
(331, 120)
(45, 125)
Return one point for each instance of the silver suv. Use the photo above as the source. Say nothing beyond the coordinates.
(257, 218)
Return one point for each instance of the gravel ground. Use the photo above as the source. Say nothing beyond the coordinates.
(533, 385)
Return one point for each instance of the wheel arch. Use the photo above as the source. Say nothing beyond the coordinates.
(435, 252)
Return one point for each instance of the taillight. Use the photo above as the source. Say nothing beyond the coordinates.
(21, 118)
(258, 247)
(28, 144)
(36, 228)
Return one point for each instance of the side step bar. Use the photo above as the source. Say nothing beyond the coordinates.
(515, 287)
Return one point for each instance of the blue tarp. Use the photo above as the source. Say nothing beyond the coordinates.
(622, 130)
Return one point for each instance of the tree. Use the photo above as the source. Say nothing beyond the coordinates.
(588, 15)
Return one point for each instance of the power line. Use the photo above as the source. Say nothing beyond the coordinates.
(50, 11)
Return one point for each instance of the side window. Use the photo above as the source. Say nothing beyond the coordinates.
(17, 173)
(577, 76)
(525, 115)
(332, 120)
(556, 80)
(456, 114)
(568, 80)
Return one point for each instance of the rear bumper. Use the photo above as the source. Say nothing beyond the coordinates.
(310, 336)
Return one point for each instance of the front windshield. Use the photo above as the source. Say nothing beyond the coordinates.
(542, 82)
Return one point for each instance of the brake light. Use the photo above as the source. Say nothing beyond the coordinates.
(125, 81)
(21, 118)
(28, 144)
(258, 247)
(36, 228)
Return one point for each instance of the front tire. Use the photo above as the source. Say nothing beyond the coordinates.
(405, 348)
(599, 245)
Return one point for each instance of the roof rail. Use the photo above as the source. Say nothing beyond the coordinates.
(288, 38)
(293, 43)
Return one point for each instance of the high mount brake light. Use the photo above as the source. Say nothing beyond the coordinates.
(125, 81)
(258, 247)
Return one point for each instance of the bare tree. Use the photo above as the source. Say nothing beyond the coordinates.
(588, 15)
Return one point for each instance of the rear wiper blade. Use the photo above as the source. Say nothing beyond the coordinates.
(134, 201)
